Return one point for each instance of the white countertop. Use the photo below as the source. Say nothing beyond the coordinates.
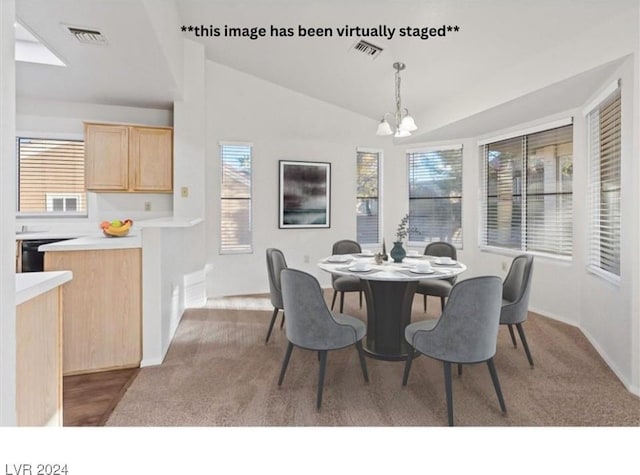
(37, 235)
(169, 222)
(95, 242)
(32, 284)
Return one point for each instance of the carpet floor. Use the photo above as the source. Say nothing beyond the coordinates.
(219, 372)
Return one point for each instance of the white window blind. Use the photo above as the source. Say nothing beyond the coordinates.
(528, 192)
(368, 199)
(604, 185)
(435, 195)
(51, 176)
(235, 199)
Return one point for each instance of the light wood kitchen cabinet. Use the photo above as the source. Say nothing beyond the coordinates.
(39, 360)
(128, 158)
(102, 317)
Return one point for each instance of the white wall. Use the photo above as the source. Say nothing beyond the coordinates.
(189, 136)
(7, 217)
(54, 119)
(173, 279)
(282, 125)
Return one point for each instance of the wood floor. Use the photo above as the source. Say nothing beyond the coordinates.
(89, 399)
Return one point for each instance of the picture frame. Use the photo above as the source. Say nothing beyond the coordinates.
(304, 194)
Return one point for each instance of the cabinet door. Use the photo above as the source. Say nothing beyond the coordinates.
(102, 312)
(150, 155)
(107, 157)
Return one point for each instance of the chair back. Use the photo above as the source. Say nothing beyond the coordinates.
(467, 330)
(346, 246)
(275, 264)
(309, 323)
(441, 249)
(516, 289)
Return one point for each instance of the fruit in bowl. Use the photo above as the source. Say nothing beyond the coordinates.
(116, 228)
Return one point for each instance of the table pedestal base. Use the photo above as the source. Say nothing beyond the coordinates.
(388, 313)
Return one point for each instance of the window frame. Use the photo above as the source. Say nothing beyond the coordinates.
(380, 154)
(608, 93)
(44, 214)
(482, 229)
(436, 148)
(222, 251)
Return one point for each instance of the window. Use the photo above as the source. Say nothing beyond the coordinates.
(435, 195)
(368, 197)
(63, 202)
(604, 185)
(51, 176)
(528, 199)
(235, 199)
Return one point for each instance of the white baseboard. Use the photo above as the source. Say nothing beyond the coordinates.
(603, 354)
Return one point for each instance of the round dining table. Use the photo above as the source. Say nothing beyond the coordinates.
(389, 290)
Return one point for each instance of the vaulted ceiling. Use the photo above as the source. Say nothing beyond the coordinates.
(504, 50)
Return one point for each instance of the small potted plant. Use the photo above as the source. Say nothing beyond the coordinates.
(398, 253)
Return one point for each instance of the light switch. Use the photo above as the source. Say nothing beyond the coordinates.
(184, 192)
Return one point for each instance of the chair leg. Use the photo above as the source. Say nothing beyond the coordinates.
(524, 343)
(363, 362)
(513, 336)
(333, 302)
(442, 303)
(424, 299)
(285, 363)
(282, 321)
(407, 367)
(341, 302)
(361, 299)
(273, 320)
(323, 365)
(459, 369)
(496, 383)
(448, 391)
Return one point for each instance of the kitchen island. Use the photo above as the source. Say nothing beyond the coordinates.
(130, 304)
(102, 321)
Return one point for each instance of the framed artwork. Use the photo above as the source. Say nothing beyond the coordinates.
(305, 195)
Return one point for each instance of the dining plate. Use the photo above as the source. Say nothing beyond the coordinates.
(445, 263)
(365, 269)
(416, 271)
(338, 259)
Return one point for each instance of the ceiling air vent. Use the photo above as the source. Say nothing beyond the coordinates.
(87, 35)
(368, 49)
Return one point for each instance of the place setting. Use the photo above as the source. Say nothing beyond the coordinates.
(360, 267)
(339, 259)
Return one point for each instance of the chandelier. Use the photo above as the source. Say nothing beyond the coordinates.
(404, 123)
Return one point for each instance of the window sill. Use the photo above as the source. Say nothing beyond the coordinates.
(50, 215)
(516, 252)
(604, 275)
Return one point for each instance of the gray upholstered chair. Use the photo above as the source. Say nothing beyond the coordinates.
(275, 263)
(310, 324)
(465, 333)
(345, 283)
(437, 287)
(515, 299)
